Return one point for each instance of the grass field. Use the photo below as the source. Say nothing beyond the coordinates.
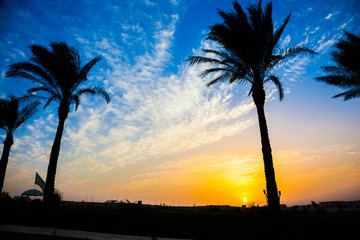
(165, 222)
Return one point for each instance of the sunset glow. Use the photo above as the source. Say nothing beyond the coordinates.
(166, 138)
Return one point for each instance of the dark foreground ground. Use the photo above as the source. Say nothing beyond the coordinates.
(23, 236)
(165, 222)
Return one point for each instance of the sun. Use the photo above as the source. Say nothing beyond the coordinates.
(245, 200)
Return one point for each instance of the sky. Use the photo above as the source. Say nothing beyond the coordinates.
(166, 138)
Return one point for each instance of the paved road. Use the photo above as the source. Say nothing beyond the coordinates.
(15, 232)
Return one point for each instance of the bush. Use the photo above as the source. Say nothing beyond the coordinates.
(5, 197)
(57, 197)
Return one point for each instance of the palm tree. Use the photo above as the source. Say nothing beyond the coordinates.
(248, 52)
(59, 75)
(346, 74)
(13, 113)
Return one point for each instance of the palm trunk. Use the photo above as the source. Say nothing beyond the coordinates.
(272, 192)
(54, 155)
(5, 157)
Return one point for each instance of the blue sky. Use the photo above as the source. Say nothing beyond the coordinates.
(162, 120)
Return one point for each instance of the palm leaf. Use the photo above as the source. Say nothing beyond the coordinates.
(344, 80)
(354, 93)
(93, 91)
(87, 67)
(289, 53)
(200, 59)
(278, 85)
(222, 78)
(26, 112)
(14, 112)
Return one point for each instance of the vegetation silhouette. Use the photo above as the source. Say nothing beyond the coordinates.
(346, 74)
(249, 50)
(59, 76)
(14, 112)
(192, 223)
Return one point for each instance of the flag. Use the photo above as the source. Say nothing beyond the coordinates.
(39, 181)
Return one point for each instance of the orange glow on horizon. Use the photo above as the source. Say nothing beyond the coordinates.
(232, 179)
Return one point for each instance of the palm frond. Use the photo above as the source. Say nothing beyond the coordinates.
(221, 54)
(34, 97)
(43, 57)
(218, 33)
(30, 68)
(334, 70)
(8, 112)
(222, 78)
(69, 55)
(93, 91)
(36, 77)
(193, 60)
(20, 73)
(212, 70)
(240, 14)
(224, 58)
(27, 111)
(346, 74)
(45, 89)
(295, 51)
(347, 52)
(354, 93)
(255, 16)
(339, 80)
(14, 112)
(352, 37)
(289, 53)
(278, 85)
(87, 67)
(278, 32)
(76, 99)
(50, 100)
(228, 18)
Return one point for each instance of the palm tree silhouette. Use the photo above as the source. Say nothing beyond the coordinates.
(346, 74)
(13, 113)
(249, 50)
(59, 75)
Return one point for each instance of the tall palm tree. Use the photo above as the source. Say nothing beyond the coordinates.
(249, 50)
(59, 76)
(346, 74)
(13, 113)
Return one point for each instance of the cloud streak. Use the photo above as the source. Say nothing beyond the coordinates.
(151, 115)
(156, 114)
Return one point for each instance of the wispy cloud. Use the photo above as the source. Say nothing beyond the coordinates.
(136, 27)
(342, 26)
(294, 69)
(325, 43)
(312, 32)
(149, 3)
(329, 16)
(175, 2)
(159, 115)
(285, 42)
(151, 115)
